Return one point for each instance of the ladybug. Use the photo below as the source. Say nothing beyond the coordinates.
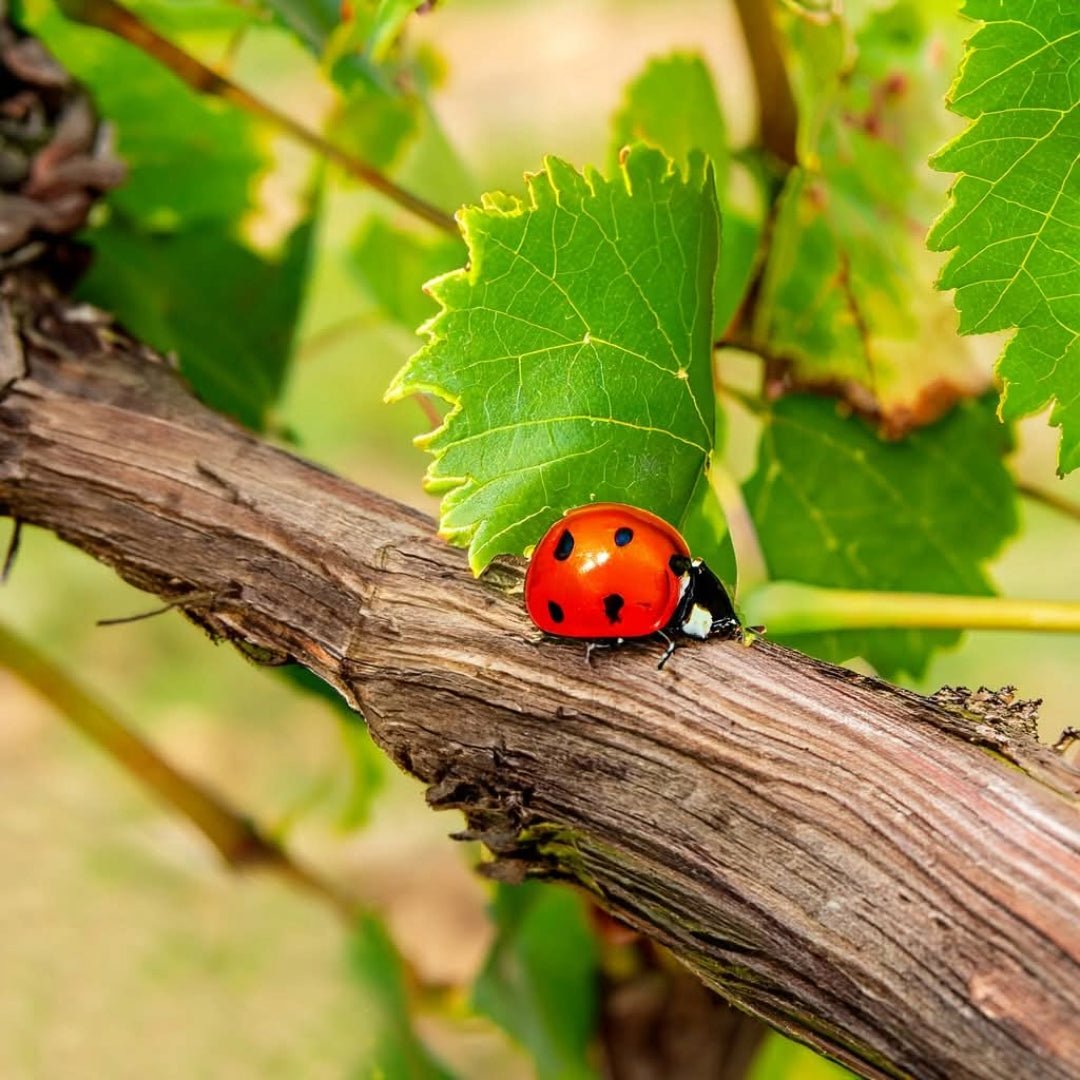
(607, 571)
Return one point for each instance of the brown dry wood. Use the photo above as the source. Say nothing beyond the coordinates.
(895, 884)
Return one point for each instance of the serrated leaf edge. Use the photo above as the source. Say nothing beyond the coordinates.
(698, 172)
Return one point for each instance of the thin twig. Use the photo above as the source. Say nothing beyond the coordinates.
(238, 840)
(749, 557)
(12, 551)
(116, 19)
(791, 607)
(1049, 498)
(778, 116)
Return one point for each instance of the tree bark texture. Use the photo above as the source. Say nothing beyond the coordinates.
(893, 882)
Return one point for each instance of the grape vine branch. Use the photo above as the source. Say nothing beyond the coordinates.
(890, 879)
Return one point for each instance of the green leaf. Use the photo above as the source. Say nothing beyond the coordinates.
(673, 105)
(394, 265)
(836, 505)
(1014, 215)
(228, 312)
(539, 981)
(846, 298)
(368, 763)
(191, 158)
(396, 1053)
(782, 1059)
(575, 351)
(312, 21)
(375, 123)
(387, 24)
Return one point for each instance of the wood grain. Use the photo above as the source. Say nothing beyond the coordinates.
(893, 883)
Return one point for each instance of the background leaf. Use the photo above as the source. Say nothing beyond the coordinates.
(575, 350)
(191, 158)
(394, 264)
(847, 299)
(396, 1052)
(1014, 215)
(539, 981)
(172, 289)
(836, 505)
(673, 105)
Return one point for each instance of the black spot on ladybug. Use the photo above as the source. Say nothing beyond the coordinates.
(623, 536)
(554, 610)
(564, 546)
(613, 604)
(679, 564)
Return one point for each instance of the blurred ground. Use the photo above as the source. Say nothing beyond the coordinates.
(125, 951)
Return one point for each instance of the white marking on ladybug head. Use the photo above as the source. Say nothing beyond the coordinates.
(698, 623)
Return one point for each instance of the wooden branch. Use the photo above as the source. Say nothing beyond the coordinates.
(892, 882)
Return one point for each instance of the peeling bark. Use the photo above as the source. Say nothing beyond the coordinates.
(891, 881)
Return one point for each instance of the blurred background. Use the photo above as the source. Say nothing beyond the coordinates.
(126, 949)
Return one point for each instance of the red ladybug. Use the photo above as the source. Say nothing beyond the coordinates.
(610, 571)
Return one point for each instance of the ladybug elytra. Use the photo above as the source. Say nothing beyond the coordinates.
(608, 571)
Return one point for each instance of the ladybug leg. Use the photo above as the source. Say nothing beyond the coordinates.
(728, 627)
(592, 646)
(667, 652)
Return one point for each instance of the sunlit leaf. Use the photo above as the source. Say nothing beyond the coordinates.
(836, 505)
(539, 982)
(575, 351)
(1014, 215)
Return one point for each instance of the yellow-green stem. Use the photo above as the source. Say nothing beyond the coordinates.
(786, 607)
(237, 839)
(749, 558)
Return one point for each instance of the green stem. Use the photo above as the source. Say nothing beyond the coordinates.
(786, 607)
(116, 19)
(749, 558)
(239, 841)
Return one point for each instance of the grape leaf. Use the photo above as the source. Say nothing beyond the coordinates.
(539, 980)
(836, 505)
(227, 311)
(1014, 214)
(396, 1051)
(673, 105)
(847, 298)
(575, 351)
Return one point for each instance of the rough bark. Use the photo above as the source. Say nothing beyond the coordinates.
(893, 882)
